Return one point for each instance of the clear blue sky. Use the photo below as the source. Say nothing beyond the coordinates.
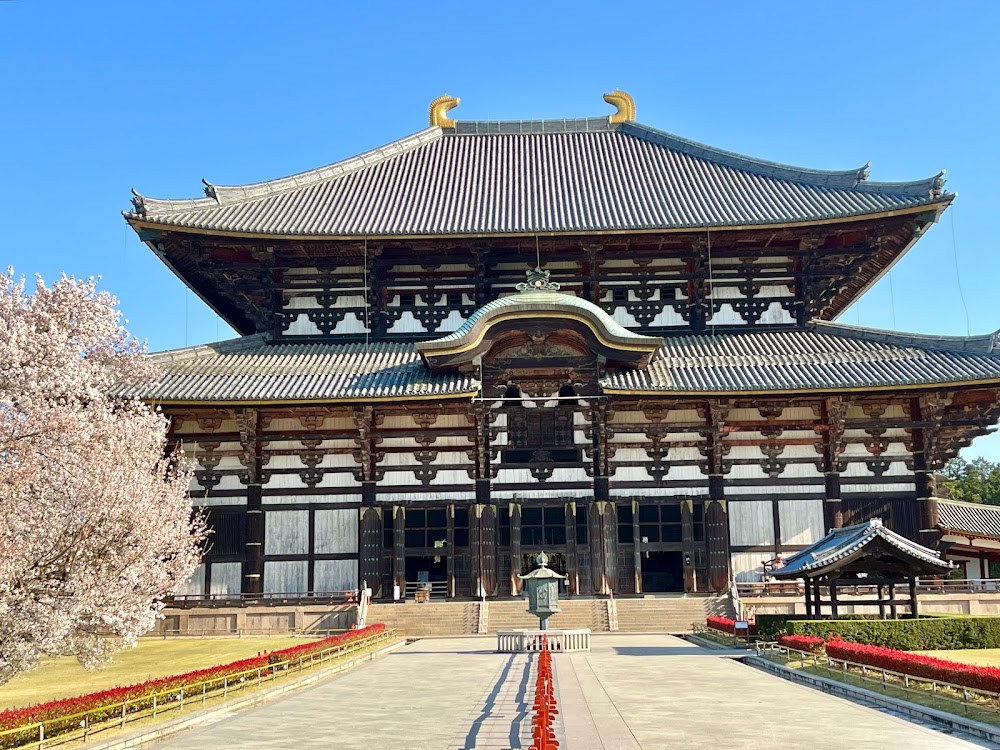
(100, 97)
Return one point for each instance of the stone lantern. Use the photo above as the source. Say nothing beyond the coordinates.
(543, 590)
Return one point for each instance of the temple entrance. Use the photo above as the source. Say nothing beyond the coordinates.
(423, 573)
(662, 571)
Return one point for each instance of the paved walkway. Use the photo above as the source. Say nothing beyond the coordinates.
(630, 692)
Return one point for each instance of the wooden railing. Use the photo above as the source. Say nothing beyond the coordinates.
(80, 726)
(987, 700)
(272, 600)
(962, 586)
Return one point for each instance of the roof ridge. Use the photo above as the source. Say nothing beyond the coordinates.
(967, 504)
(222, 195)
(987, 344)
(213, 349)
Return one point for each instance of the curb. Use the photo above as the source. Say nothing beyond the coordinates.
(870, 697)
(180, 723)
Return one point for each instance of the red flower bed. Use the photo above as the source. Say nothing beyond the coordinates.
(918, 665)
(105, 704)
(810, 643)
(727, 625)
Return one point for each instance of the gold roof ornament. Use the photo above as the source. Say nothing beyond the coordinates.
(438, 116)
(625, 104)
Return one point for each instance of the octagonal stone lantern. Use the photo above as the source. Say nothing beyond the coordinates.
(543, 590)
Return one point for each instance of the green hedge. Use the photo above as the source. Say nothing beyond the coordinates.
(775, 625)
(924, 634)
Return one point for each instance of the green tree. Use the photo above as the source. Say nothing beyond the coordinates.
(975, 481)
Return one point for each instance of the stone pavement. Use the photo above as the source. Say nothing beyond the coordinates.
(643, 691)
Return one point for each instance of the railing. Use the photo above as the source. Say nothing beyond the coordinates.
(542, 732)
(433, 588)
(273, 599)
(520, 641)
(80, 726)
(908, 682)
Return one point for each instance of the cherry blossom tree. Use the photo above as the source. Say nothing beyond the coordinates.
(95, 527)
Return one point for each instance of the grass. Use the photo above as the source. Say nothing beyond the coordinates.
(63, 677)
(983, 657)
(917, 692)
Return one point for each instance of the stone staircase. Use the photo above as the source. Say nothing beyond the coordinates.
(668, 614)
(433, 618)
(574, 613)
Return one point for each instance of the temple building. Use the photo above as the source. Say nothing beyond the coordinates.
(588, 337)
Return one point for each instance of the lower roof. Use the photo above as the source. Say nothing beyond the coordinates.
(824, 357)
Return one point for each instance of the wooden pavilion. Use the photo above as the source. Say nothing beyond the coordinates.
(869, 555)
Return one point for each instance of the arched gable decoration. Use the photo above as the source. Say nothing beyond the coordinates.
(539, 306)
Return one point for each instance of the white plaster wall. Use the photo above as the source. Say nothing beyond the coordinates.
(227, 578)
(335, 575)
(286, 532)
(286, 577)
(751, 522)
(336, 531)
(801, 521)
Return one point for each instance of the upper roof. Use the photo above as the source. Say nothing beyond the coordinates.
(547, 176)
(842, 546)
(973, 519)
(826, 357)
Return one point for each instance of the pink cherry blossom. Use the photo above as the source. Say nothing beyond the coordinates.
(96, 525)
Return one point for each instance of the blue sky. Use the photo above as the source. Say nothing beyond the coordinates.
(98, 98)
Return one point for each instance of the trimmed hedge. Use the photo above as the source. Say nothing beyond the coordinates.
(924, 634)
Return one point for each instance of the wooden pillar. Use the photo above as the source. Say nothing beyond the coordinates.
(370, 545)
(914, 607)
(637, 549)
(881, 602)
(515, 549)
(488, 549)
(609, 525)
(833, 598)
(892, 602)
(835, 421)
(248, 422)
(449, 560)
(930, 409)
(399, 547)
(809, 598)
(687, 538)
(716, 515)
(572, 571)
(595, 537)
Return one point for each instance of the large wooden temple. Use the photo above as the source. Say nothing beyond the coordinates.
(585, 336)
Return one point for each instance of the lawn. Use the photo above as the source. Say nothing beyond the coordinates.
(984, 657)
(64, 677)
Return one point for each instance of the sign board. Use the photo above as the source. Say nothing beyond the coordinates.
(741, 625)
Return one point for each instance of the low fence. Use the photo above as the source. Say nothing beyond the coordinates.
(926, 586)
(983, 699)
(520, 641)
(80, 726)
(183, 601)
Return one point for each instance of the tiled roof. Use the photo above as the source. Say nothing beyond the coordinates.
(969, 518)
(545, 176)
(827, 356)
(840, 544)
(251, 369)
(823, 356)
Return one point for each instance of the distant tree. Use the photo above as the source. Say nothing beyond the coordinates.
(95, 528)
(975, 481)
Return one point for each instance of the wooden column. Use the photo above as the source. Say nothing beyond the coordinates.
(914, 607)
(604, 544)
(248, 422)
(687, 538)
(929, 409)
(488, 549)
(893, 613)
(809, 598)
(449, 549)
(637, 549)
(716, 515)
(833, 598)
(609, 527)
(370, 547)
(399, 547)
(834, 421)
(572, 572)
(515, 549)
